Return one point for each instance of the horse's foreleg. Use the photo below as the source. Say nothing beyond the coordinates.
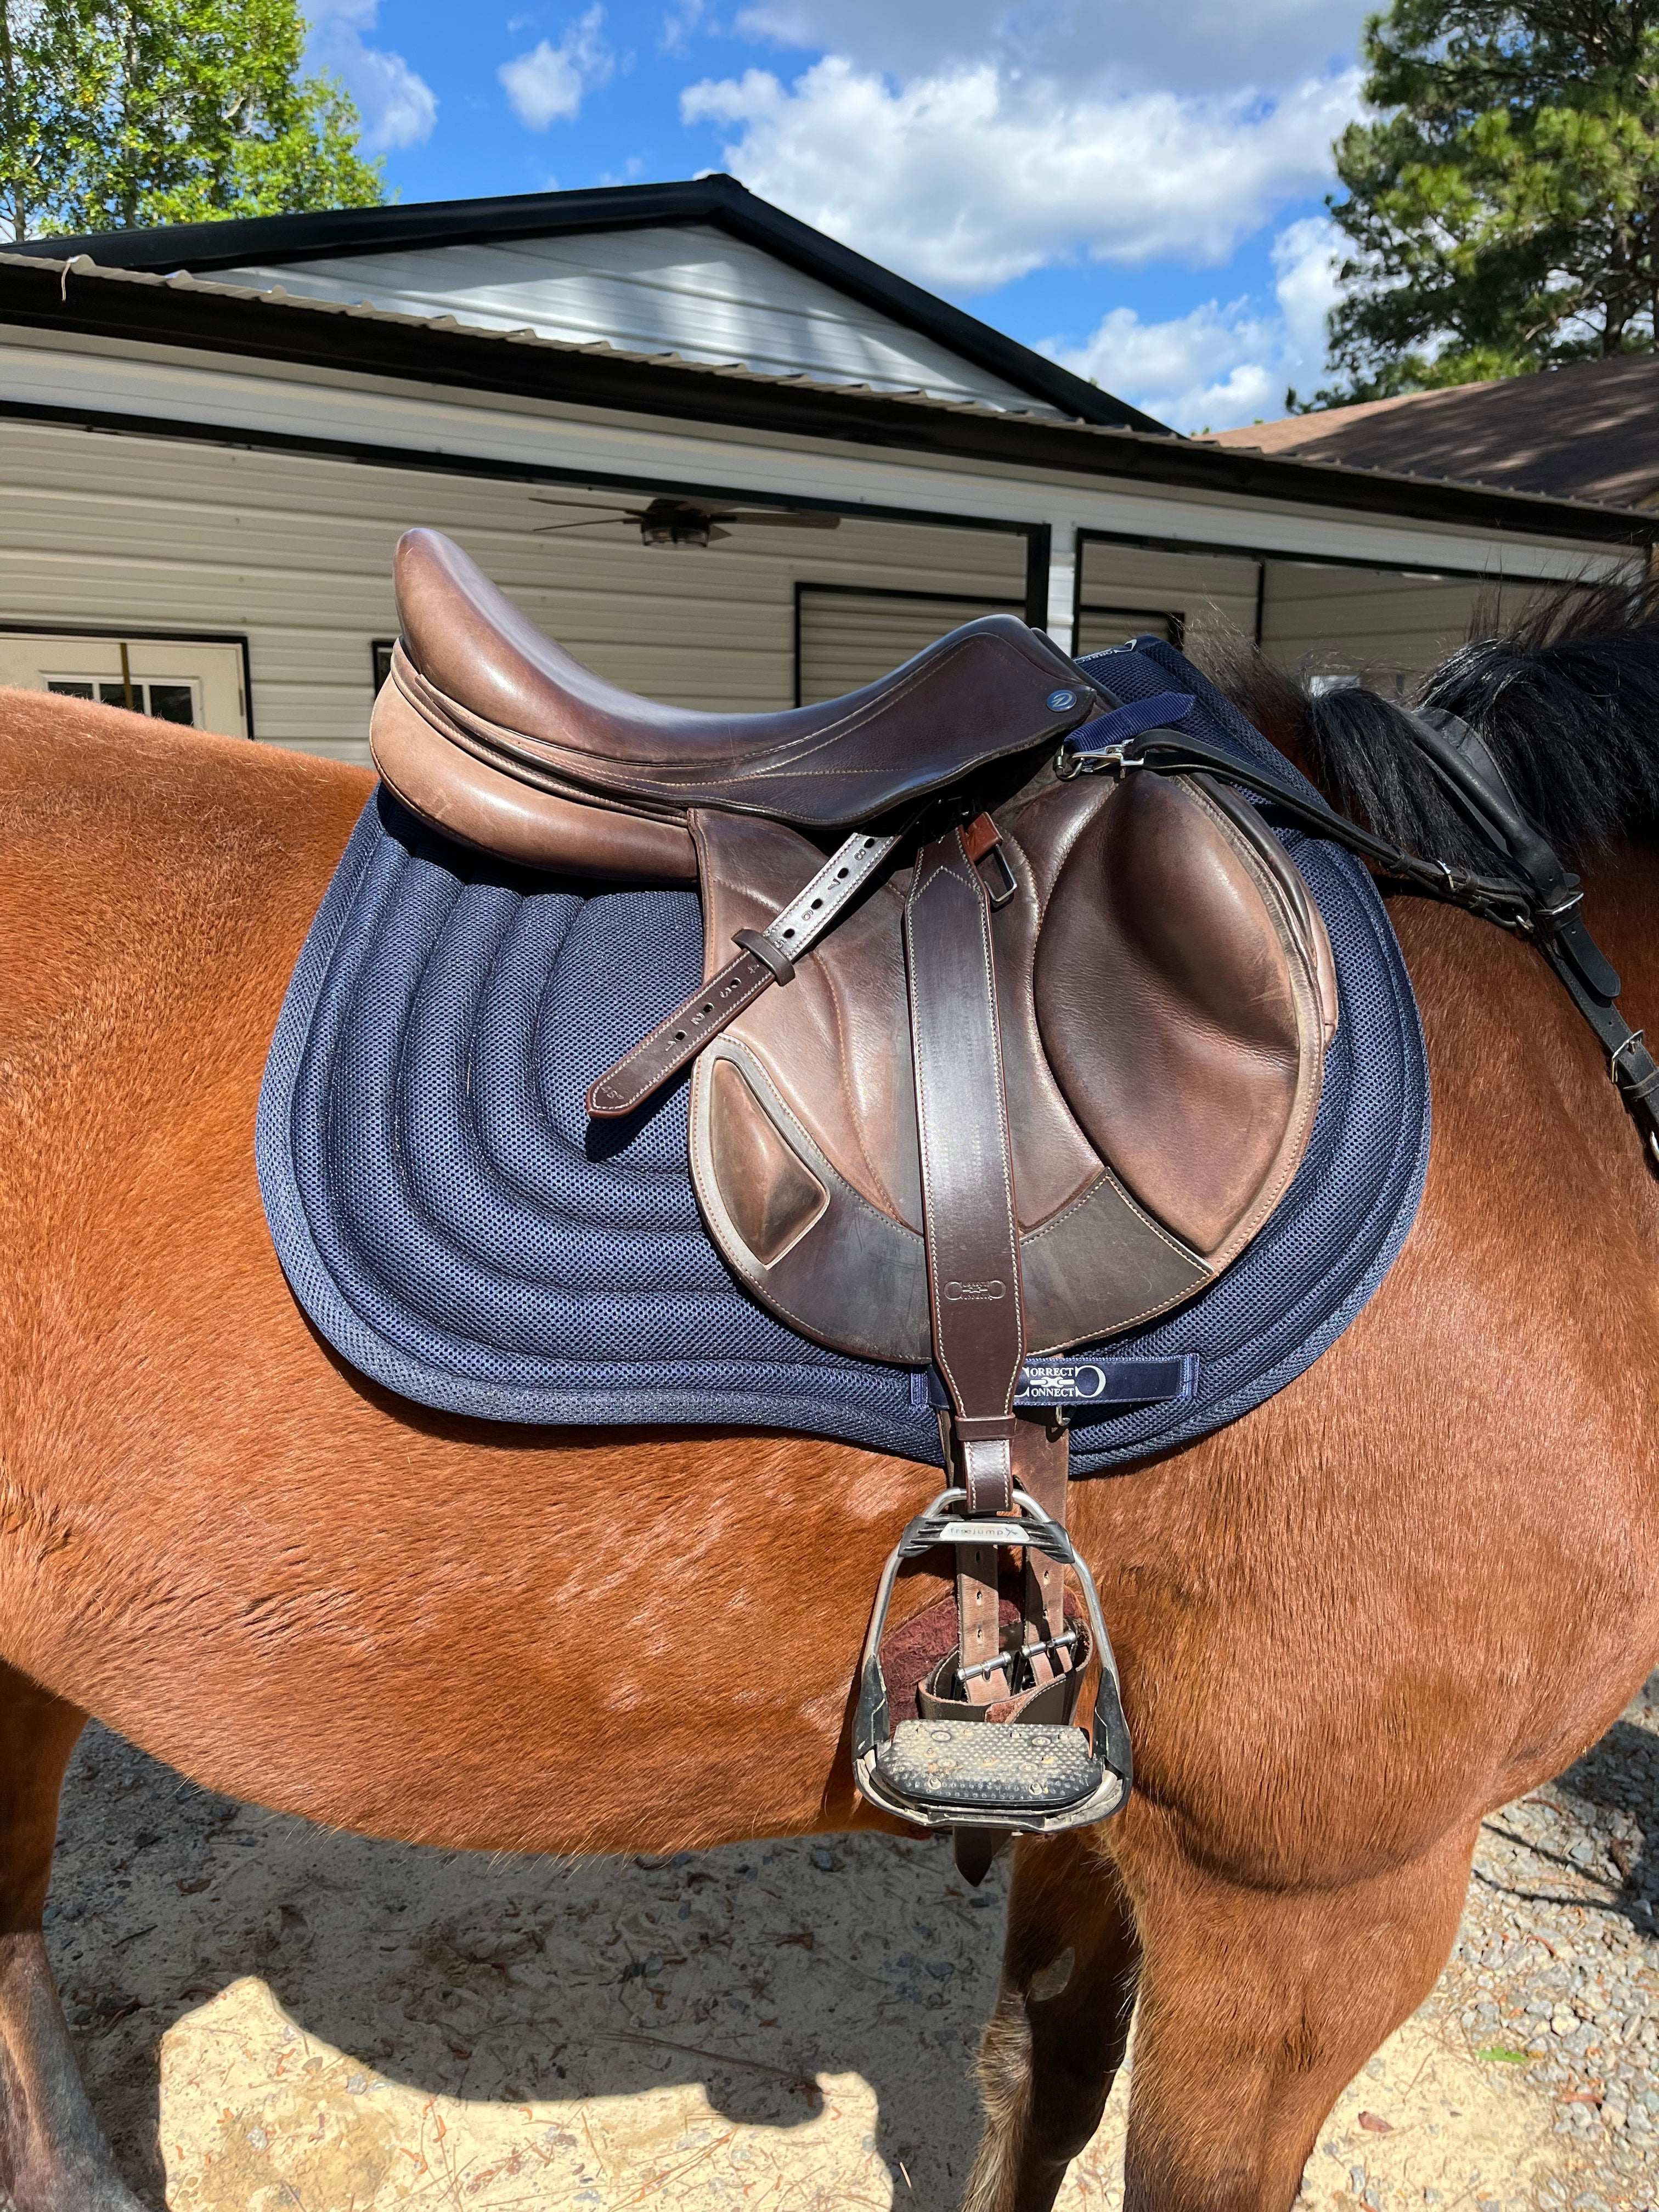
(53, 2157)
(1056, 2038)
(1257, 2009)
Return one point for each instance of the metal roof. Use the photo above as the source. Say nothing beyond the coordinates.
(1586, 431)
(720, 200)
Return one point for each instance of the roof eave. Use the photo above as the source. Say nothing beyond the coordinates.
(248, 326)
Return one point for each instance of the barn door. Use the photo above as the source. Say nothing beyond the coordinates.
(176, 679)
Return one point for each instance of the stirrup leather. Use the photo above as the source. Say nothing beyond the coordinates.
(986, 1757)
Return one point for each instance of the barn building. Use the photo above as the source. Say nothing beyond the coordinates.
(725, 460)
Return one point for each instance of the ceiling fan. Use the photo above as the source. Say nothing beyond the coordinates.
(690, 521)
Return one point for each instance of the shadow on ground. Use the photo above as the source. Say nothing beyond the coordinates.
(1606, 1833)
(750, 1973)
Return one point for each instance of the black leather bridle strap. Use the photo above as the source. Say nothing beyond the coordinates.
(969, 1221)
(1555, 922)
(1168, 752)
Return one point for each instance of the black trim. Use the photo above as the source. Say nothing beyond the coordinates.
(989, 601)
(264, 241)
(1039, 558)
(238, 638)
(272, 331)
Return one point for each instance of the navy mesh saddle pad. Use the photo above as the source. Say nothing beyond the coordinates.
(460, 1232)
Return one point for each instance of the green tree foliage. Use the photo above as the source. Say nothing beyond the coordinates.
(1502, 210)
(116, 112)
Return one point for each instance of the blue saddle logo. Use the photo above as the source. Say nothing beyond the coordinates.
(1060, 700)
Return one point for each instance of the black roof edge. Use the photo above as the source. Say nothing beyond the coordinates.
(204, 247)
(250, 327)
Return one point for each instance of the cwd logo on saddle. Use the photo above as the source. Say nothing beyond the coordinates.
(955, 1292)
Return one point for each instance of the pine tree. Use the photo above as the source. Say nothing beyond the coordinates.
(1502, 210)
(117, 113)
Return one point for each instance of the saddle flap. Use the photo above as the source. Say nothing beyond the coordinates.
(1177, 996)
(1163, 1031)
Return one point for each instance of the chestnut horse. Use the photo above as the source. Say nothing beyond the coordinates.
(1407, 1589)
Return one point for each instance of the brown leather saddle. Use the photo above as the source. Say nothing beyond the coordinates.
(1020, 1059)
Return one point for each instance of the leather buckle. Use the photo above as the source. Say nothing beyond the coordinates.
(981, 841)
(998, 894)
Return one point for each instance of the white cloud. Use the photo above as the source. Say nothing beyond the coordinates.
(546, 85)
(398, 106)
(1184, 46)
(1222, 365)
(680, 26)
(973, 176)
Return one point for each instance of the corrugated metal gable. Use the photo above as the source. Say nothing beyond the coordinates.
(690, 289)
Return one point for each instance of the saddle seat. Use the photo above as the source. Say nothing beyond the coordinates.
(491, 731)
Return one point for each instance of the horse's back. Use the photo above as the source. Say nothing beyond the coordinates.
(100, 809)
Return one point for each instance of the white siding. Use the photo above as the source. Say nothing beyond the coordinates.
(296, 555)
(1367, 622)
(156, 383)
(1376, 623)
(850, 638)
(692, 291)
(1127, 588)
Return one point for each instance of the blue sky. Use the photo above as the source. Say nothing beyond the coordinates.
(1136, 189)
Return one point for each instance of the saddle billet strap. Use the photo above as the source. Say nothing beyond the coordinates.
(765, 957)
(970, 1226)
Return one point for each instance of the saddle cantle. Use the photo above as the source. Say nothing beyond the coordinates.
(1027, 1059)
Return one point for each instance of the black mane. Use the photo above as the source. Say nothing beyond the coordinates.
(1568, 700)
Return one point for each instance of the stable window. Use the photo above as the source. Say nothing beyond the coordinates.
(177, 700)
(1100, 628)
(1131, 589)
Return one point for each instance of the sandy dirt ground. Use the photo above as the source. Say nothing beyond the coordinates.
(271, 2016)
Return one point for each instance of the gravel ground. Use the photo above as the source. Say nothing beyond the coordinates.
(272, 2016)
(1555, 1977)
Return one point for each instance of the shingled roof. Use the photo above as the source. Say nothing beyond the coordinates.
(1588, 431)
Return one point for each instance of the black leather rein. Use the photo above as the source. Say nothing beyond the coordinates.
(1534, 893)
